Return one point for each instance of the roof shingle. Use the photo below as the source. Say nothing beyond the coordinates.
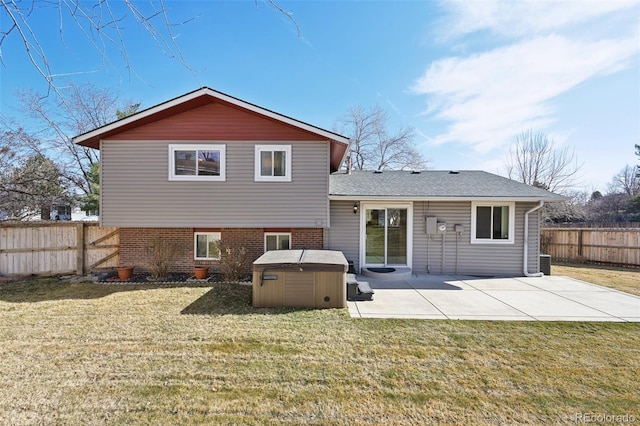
(433, 184)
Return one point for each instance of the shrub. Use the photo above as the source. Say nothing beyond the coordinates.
(161, 257)
(234, 261)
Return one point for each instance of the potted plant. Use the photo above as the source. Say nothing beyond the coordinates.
(201, 272)
(125, 273)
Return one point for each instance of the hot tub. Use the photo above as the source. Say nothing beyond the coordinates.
(300, 278)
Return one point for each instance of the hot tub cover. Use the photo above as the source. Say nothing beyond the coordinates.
(304, 259)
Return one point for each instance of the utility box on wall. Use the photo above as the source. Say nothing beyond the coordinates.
(432, 225)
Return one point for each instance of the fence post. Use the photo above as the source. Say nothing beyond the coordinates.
(80, 249)
(580, 245)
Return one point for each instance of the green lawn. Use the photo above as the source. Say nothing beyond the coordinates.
(122, 354)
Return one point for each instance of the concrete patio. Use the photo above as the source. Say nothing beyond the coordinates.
(549, 298)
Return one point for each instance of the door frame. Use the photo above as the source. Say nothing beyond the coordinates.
(366, 205)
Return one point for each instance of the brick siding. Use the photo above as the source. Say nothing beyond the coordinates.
(135, 243)
(307, 238)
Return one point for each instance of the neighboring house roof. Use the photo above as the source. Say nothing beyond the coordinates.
(433, 185)
(201, 97)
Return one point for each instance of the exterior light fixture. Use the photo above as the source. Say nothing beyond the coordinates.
(355, 208)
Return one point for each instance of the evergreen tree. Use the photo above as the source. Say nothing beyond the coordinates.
(32, 187)
(91, 201)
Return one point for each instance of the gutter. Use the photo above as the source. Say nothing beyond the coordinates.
(405, 198)
(526, 241)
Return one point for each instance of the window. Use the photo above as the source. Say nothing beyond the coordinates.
(277, 241)
(273, 163)
(62, 213)
(197, 162)
(206, 246)
(492, 223)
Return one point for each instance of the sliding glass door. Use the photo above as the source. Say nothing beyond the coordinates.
(375, 236)
(386, 231)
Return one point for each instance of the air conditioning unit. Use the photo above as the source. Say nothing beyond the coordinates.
(545, 264)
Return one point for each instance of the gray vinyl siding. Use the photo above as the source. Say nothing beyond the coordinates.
(344, 233)
(460, 256)
(136, 191)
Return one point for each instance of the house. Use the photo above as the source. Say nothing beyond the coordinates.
(206, 166)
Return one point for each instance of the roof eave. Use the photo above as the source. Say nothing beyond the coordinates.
(96, 133)
(352, 197)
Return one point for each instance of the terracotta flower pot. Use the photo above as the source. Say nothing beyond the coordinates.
(201, 272)
(125, 273)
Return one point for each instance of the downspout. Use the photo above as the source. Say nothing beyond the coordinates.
(526, 242)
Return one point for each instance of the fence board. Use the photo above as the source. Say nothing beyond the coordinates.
(600, 245)
(102, 247)
(57, 248)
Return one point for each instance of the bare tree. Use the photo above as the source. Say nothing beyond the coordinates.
(56, 121)
(373, 147)
(102, 24)
(573, 210)
(626, 181)
(611, 208)
(534, 160)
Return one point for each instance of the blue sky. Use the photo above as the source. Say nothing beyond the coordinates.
(468, 76)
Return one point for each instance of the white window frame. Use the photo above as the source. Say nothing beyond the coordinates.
(512, 222)
(197, 147)
(216, 235)
(277, 234)
(258, 166)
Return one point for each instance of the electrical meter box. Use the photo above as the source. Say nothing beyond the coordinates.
(442, 227)
(432, 225)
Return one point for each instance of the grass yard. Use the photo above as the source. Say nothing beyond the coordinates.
(627, 280)
(89, 353)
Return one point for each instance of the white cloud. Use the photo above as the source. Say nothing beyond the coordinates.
(517, 18)
(489, 97)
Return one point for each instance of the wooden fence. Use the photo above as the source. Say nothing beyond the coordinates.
(618, 225)
(599, 245)
(79, 248)
(57, 248)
